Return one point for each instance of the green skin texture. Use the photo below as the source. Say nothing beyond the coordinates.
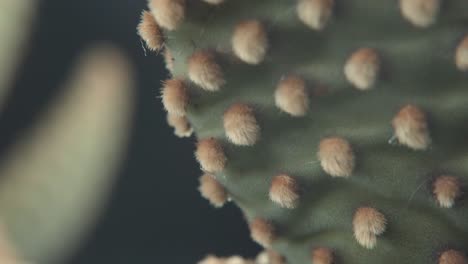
(418, 68)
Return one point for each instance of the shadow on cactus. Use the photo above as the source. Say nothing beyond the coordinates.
(338, 127)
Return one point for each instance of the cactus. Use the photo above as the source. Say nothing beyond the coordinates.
(15, 20)
(56, 178)
(337, 126)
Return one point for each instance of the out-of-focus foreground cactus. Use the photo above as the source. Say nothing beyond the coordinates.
(339, 127)
(56, 178)
(15, 20)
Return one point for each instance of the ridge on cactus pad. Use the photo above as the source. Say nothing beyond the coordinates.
(339, 127)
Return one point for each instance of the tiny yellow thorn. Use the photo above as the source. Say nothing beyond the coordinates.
(150, 32)
(269, 257)
(212, 190)
(461, 55)
(250, 41)
(291, 96)
(368, 223)
(210, 155)
(169, 14)
(452, 257)
(315, 13)
(284, 191)
(181, 125)
(411, 128)
(446, 189)
(362, 68)
(420, 13)
(336, 156)
(263, 232)
(175, 97)
(204, 70)
(240, 125)
(322, 255)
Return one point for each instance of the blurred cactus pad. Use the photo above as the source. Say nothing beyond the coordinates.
(15, 20)
(339, 127)
(55, 179)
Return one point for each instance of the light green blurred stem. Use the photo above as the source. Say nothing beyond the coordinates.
(56, 180)
(15, 20)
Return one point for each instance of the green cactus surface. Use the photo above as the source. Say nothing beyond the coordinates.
(340, 128)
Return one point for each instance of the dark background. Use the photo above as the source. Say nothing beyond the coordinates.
(156, 214)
